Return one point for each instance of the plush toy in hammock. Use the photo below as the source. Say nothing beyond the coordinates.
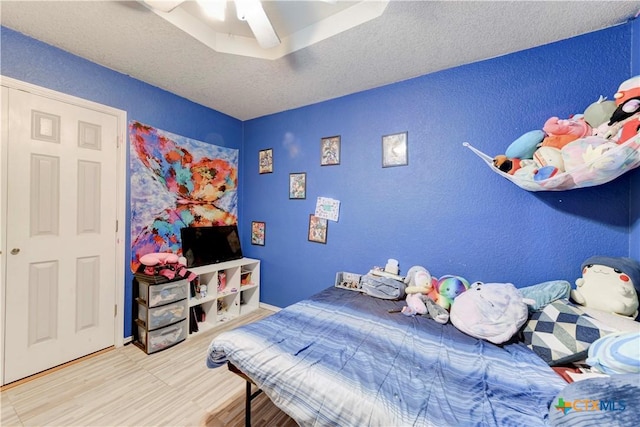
(609, 284)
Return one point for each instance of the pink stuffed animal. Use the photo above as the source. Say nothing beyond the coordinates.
(561, 132)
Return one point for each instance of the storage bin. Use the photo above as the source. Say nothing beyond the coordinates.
(160, 339)
(158, 294)
(157, 317)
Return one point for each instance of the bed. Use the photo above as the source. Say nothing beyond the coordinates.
(345, 358)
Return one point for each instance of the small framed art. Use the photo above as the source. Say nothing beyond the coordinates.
(330, 151)
(298, 185)
(394, 150)
(265, 161)
(258, 230)
(318, 229)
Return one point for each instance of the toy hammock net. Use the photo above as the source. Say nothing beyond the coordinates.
(600, 170)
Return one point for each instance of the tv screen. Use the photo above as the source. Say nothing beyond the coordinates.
(210, 245)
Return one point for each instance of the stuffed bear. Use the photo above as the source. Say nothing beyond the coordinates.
(609, 284)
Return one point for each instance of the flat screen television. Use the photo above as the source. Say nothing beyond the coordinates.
(210, 245)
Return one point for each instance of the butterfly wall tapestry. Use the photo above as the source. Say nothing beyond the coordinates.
(177, 182)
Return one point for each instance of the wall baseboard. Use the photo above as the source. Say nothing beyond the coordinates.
(269, 307)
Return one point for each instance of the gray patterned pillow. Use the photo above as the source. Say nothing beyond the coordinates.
(562, 333)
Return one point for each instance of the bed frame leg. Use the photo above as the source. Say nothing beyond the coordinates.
(247, 404)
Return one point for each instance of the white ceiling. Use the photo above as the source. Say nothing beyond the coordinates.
(411, 38)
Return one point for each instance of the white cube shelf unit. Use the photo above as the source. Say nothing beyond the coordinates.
(232, 290)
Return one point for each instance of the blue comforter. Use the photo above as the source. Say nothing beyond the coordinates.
(340, 358)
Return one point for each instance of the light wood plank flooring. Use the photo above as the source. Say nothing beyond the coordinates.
(126, 387)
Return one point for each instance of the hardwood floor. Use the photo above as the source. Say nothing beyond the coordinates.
(126, 387)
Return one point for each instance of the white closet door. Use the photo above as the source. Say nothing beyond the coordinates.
(61, 236)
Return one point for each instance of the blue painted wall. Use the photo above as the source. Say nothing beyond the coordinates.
(634, 235)
(26, 59)
(446, 210)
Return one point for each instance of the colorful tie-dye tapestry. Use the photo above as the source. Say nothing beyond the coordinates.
(177, 182)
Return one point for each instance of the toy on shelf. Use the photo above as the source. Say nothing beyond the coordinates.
(580, 151)
(609, 284)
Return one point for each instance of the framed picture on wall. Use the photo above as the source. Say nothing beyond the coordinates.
(318, 229)
(258, 230)
(330, 151)
(265, 161)
(298, 185)
(394, 150)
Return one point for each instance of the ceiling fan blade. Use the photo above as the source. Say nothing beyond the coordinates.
(163, 5)
(252, 12)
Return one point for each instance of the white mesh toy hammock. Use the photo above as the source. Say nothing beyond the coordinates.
(600, 170)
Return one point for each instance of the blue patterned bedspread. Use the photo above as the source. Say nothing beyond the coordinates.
(341, 359)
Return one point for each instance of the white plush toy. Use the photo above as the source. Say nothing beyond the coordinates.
(418, 280)
(609, 284)
(490, 311)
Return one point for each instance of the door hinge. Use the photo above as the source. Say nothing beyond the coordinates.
(116, 225)
(115, 310)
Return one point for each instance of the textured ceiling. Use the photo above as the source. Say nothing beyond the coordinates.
(410, 39)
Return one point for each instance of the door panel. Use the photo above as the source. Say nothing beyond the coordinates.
(61, 216)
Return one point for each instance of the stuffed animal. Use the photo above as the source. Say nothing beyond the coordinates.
(506, 164)
(419, 280)
(421, 304)
(599, 112)
(539, 295)
(490, 311)
(525, 145)
(549, 156)
(528, 170)
(609, 284)
(545, 172)
(561, 132)
(449, 287)
(627, 114)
